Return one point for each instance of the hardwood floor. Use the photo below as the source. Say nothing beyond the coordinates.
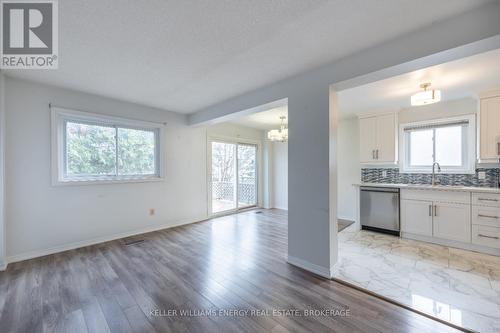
(233, 262)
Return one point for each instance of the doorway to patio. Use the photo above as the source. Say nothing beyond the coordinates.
(233, 172)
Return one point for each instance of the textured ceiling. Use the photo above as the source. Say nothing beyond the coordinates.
(462, 78)
(186, 55)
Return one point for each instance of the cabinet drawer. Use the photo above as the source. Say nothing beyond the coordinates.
(484, 215)
(486, 236)
(486, 199)
(436, 195)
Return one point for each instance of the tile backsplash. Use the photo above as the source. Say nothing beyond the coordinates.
(376, 175)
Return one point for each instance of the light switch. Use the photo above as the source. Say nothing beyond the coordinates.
(481, 175)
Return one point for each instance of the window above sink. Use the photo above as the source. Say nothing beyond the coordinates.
(449, 142)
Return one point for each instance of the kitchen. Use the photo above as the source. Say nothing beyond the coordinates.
(424, 191)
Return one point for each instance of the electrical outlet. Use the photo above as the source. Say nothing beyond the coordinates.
(384, 173)
(481, 175)
(151, 211)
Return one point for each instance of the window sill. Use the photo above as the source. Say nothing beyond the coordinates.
(83, 182)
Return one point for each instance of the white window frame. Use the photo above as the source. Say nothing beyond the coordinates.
(59, 118)
(258, 175)
(469, 141)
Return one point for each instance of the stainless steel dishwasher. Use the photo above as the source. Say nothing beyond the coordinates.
(380, 209)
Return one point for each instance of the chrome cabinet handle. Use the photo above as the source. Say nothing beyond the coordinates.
(498, 148)
(487, 216)
(430, 210)
(435, 210)
(373, 154)
(377, 154)
(486, 199)
(486, 236)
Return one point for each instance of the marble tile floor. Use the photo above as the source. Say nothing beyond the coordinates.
(459, 286)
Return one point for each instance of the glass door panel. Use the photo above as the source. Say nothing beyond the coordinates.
(247, 175)
(224, 189)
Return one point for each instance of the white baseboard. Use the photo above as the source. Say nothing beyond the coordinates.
(346, 218)
(282, 208)
(451, 243)
(93, 241)
(316, 269)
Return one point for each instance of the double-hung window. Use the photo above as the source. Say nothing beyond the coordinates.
(91, 148)
(449, 142)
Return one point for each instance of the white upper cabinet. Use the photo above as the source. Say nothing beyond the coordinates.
(378, 139)
(489, 114)
(386, 138)
(368, 138)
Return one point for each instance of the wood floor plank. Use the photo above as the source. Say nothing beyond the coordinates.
(234, 262)
(73, 322)
(94, 318)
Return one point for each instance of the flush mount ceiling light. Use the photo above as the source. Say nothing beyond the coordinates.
(426, 97)
(281, 134)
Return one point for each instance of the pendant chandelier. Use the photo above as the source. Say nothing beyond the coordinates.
(281, 134)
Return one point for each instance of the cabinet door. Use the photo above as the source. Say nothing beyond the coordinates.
(367, 139)
(452, 221)
(416, 217)
(386, 138)
(490, 128)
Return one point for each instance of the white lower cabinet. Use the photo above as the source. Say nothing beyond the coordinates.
(436, 214)
(486, 236)
(453, 218)
(416, 217)
(452, 221)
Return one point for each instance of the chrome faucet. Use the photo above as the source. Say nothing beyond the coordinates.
(434, 173)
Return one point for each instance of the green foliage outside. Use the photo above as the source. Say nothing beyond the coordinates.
(91, 151)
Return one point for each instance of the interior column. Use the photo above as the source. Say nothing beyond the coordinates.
(312, 232)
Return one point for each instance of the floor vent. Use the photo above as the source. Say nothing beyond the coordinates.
(128, 242)
(259, 212)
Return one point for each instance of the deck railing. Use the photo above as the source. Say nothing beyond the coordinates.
(225, 191)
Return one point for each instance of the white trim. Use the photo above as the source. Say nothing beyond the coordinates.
(98, 240)
(279, 207)
(377, 114)
(313, 268)
(470, 167)
(3, 266)
(59, 115)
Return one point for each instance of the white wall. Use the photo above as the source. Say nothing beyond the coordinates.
(2, 183)
(267, 170)
(438, 110)
(42, 218)
(234, 131)
(349, 171)
(280, 175)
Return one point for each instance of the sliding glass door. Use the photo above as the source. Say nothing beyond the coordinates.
(223, 177)
(247, 175)
(233, 176)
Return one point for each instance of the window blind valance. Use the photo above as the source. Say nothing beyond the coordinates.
(462, 122)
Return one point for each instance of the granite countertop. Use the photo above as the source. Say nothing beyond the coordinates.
(435, 187)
